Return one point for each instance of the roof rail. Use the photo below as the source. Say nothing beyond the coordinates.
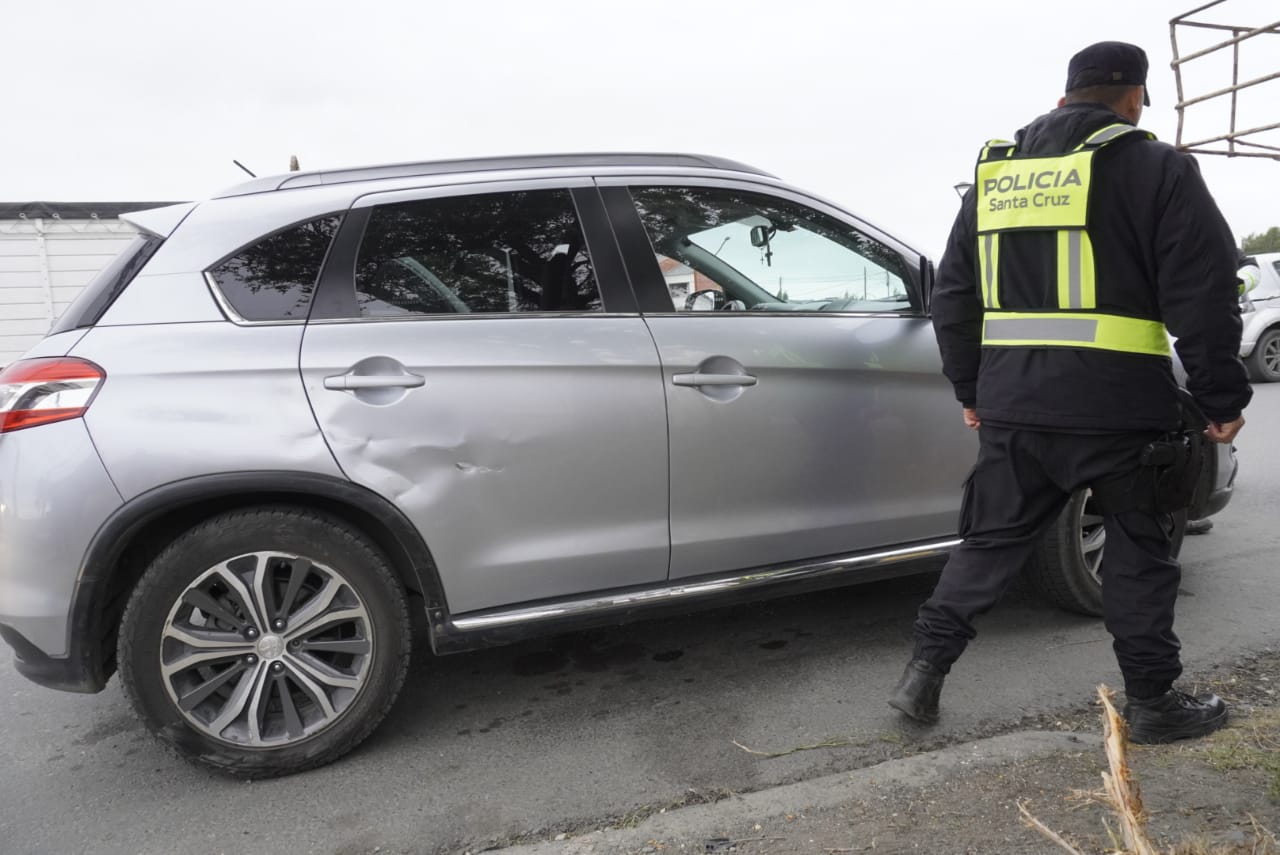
(291, 180)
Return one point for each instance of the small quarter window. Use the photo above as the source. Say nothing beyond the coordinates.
(273, 280)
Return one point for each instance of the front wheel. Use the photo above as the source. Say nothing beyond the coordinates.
(265, 641)
(1067, 562)
(1264, 362)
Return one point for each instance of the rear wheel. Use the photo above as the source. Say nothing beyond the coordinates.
(265, 641)
(1067, 562)
(1264, 362)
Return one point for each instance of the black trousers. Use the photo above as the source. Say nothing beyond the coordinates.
(1020, 484)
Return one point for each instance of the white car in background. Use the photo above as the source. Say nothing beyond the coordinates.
(1260, 344)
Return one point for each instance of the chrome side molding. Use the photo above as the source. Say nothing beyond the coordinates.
(672, 594)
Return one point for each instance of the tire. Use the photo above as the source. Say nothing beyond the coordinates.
(1066, 562)
(226, 688)
(1264, 362)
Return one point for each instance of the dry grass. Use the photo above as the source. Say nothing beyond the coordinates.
(1254, 746)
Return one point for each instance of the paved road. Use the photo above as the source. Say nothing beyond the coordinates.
(550, 734)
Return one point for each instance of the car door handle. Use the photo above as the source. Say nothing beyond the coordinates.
(713, 380)
(345, 382)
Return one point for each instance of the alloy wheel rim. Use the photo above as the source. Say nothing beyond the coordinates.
(1271, 355)
(1093, 537)
(266, 650)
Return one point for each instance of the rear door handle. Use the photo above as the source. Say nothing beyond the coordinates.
(713, 380)
(344, 382)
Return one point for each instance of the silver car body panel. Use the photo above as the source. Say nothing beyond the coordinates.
(159, 221)
(173, 298)
(1265, 315)
(59, 344)
(169, 411)
(810, 461)
(53, 497)
(533, 459)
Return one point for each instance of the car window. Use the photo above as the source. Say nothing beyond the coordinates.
(732, 249)
(273, 280)
(493, 252)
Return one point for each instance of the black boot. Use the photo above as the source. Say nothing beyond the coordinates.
(918, 691)
(1173, 715)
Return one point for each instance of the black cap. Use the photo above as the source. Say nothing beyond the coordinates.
(1109, 62)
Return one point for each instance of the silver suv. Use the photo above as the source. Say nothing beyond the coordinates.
(505, 397)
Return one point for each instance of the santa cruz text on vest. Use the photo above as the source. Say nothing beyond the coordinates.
(1018, 183)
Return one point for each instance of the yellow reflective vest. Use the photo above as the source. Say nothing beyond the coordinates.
(1017, 193)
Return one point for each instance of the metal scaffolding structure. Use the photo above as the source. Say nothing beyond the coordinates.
(1233, 143)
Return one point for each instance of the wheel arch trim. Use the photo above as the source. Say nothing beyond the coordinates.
(408, 553)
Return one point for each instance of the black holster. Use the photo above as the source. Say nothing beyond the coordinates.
(1168, 473)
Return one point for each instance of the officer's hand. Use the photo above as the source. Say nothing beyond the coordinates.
(1224, 433)
(971, 419)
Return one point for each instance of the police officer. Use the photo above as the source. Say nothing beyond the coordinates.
(1083, 244)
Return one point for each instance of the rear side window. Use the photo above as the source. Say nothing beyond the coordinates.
(93, 302)
(489, 253)
(274, 279)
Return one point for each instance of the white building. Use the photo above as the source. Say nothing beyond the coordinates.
(48, 252)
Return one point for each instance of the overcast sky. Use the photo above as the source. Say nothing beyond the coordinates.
(880, 107)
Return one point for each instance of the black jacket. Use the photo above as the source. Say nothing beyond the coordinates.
(1162, 251)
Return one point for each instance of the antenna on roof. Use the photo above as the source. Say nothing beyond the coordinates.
(293, 163)
(242, 166)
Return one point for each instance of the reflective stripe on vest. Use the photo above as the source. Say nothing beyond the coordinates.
(1111, 132)
(1051, 194)
(1075, 329)
(988, 263)
(1076, 282)
(997, 148)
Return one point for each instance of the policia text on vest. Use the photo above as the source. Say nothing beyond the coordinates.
(1025, 189)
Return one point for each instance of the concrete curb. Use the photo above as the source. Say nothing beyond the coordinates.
(689, 829)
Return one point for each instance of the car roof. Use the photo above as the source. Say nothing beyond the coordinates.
(485, 164)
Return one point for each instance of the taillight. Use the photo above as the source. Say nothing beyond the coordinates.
(40, 391)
